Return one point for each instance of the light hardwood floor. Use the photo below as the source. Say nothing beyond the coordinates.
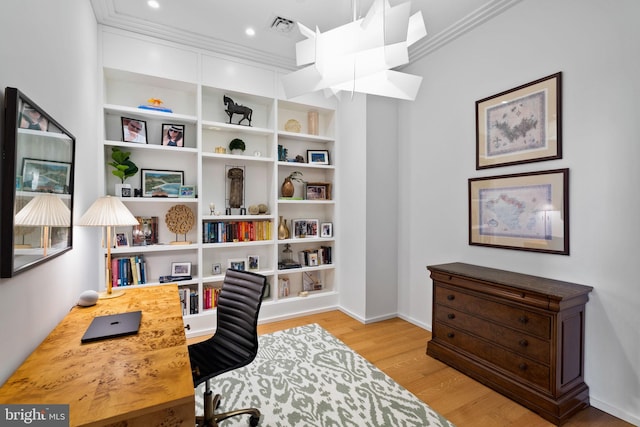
(398, 348)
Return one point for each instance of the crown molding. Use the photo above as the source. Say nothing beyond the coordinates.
(108, 16)
(476, 18)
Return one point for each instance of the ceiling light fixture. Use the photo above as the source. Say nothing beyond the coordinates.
(153, 4)
(250, 32)
(359, 56)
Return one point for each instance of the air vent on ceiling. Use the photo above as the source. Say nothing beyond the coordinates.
(282, 25)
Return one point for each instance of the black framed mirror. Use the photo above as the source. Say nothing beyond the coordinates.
(36, 178)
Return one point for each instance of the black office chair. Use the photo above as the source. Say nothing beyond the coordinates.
(234, 344)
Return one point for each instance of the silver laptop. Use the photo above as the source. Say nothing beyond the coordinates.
(113, 325)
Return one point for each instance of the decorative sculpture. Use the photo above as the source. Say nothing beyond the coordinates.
(180, 219)
(236, 191)
(233, 108)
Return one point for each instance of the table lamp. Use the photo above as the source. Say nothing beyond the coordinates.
(108, 212)
(45, 210)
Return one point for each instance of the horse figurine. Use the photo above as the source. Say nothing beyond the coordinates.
(233, 108)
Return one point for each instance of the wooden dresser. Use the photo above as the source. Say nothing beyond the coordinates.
(521, 335)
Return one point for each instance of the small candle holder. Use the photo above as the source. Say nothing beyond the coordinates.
(212, 208)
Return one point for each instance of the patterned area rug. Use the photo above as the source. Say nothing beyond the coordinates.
(306, 377)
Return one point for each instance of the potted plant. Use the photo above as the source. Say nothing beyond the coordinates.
(236, 146)
(124, 168)
(287, 188)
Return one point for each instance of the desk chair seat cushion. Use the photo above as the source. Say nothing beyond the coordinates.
(235, 343)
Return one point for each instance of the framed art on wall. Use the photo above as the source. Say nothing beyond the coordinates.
(525, 211)
(520, 125)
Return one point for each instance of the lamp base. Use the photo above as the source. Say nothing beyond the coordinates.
(113, 294)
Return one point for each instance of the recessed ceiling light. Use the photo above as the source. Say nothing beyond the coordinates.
(153, 3)
(250, 32)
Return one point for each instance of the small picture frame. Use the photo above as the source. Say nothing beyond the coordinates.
(318, 157)
(326, 229)
(187, 191)
(122, 240)
(216, 268)
(317, 191)
(172, 135)
(180, 269)
(161, 183)
(303, 228)
(237, 264)
(31, 118)
(134, 130)
(253, 263)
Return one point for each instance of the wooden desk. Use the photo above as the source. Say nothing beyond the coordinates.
(143, 379)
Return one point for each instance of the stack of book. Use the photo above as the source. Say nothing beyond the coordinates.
(314, 257)
(189, 300)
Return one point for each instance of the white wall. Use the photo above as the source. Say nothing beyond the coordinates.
(595, 44)
(49, 53)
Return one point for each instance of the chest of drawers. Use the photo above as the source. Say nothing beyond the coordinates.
(521, 335)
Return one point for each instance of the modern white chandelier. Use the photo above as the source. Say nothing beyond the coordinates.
(359, 56)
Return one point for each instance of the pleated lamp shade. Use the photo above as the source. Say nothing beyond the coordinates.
(44, 210)
(107, 211)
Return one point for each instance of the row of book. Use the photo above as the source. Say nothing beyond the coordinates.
(314, 257)
(189, 300)
(236, 231)
(127, 271)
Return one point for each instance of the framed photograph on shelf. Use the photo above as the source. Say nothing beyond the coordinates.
(31, 118)
(121, 240)
(326, 229)
(303, 228)
(45, 176)
(253, 262)
(172, 135)
(161, 183)
(520, 125)
(317, 191)
(525, 211)
(187, 191)
(237, 264)
(216, 268)
(134, 130)
(180, 269)
(318, 157)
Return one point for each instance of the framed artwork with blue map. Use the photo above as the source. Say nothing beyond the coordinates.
(525, 211)
(520, 125)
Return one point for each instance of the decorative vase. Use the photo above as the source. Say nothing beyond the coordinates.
(287, 188)
(283, 230)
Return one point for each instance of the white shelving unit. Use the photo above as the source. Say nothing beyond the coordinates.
(199, 107)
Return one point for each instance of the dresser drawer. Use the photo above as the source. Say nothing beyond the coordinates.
(513, 317)
(523, 368)
(526, 345)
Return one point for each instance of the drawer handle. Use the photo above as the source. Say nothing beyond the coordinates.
(451, 297)
(450, 335)
(523, 366)
(523, 343)
(523, 319)
(451, 316)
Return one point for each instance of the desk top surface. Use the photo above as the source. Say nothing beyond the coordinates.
(114, 379)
